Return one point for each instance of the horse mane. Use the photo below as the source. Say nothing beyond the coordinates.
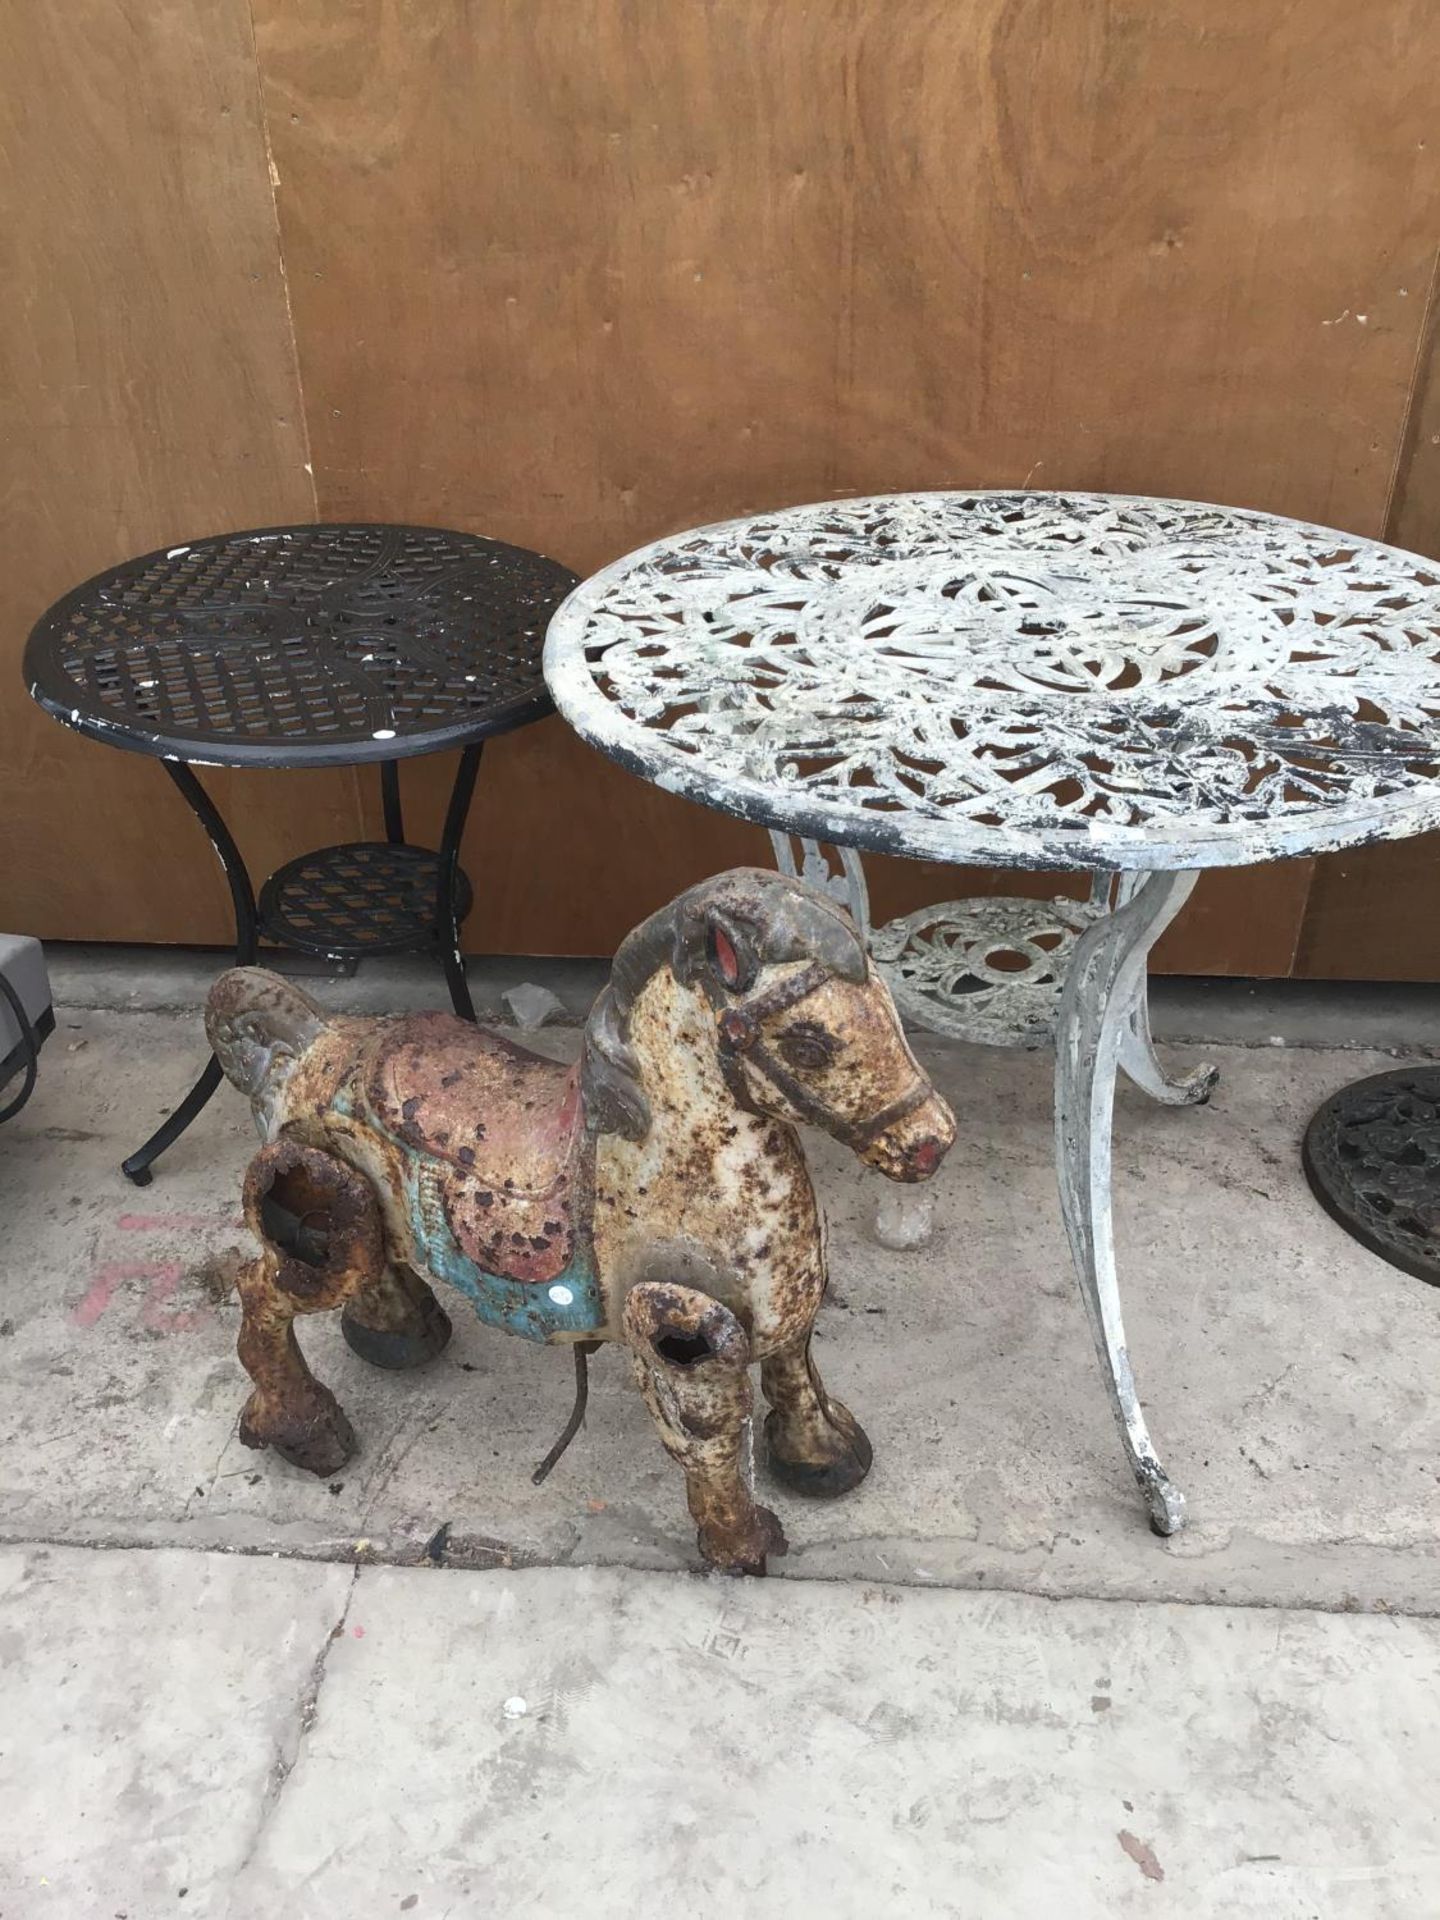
(772, 917)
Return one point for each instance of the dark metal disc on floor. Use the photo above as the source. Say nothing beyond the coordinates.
(1372, 1157)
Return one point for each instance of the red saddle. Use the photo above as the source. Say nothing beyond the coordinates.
(501, 1129)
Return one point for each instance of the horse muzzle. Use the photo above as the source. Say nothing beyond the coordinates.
(913, 1148)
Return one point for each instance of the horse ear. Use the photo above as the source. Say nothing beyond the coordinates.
(729, 956)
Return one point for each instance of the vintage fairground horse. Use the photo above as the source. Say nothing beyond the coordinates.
(656, 1194)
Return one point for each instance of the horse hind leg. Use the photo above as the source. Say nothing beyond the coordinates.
(395, 1321)
(321, 1242)
(813, 1444)
(692, 1358)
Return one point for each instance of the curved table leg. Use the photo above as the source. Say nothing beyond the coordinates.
(1103, 986)
(447, 916)
(847, 886)
(242, 895)
(1140, 1063)
(1138, 1059)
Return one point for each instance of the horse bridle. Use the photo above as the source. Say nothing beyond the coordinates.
(739, 1027)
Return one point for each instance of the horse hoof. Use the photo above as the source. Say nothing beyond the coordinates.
(849, 1461)
(745, 1551)
(423, 1340)
(320, 1445)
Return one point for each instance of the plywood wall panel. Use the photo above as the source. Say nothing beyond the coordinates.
(578, 274)
(1374, 912)
(148, 393)
(584, 272)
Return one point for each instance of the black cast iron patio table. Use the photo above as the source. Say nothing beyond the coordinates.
(300, 647)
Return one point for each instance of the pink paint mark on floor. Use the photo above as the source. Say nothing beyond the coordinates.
(89, 1310)
(163, 1275)
(359, 1632)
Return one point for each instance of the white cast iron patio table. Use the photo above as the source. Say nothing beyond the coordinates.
(1138, 688)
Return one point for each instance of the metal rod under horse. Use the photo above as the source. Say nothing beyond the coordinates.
(656, 1194)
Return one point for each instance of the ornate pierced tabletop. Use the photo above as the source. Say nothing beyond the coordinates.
(1140, 688)
(311, 646)
(1030, 680)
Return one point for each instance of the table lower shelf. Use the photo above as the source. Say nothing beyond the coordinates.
(989, 970)
(349, 902)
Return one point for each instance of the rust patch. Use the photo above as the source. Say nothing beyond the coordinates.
(526, 1149)
(321, 1241)
(692, 1360)
(217, 1274)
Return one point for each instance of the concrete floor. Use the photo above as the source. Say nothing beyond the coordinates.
(836, 1737)
(197, 1735)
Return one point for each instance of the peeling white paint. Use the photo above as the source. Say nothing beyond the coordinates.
(1022, 679)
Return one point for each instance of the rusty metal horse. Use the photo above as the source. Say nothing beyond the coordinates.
(655, 1194)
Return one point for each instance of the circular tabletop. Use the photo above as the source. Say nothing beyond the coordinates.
(302, 646)
(1021, 679)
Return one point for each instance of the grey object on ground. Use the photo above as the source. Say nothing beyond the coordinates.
(26, 1020)
(22, 963)
(531, 1006)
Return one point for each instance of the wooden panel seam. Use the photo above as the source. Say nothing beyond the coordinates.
(272, 177)
(1411, 420)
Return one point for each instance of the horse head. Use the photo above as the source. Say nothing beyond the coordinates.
(805, 1029)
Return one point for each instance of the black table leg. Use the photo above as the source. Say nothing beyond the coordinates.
(390, 799)
(137, 1167)
(446, 905)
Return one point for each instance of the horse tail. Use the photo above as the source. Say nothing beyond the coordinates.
(259, 1025)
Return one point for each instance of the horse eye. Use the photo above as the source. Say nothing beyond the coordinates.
(807, 1048)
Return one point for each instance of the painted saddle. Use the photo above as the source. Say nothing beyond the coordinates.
(494, 1154)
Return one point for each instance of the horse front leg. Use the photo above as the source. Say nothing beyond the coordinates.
(813, 1444)
(321, 1242)
(692, 1359)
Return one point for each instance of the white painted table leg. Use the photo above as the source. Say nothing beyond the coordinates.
(1140, 1063)
(843, 878)
(1138, 1058)
(1103, 989)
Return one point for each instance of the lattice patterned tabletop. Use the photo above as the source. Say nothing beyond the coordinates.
(1021, 679)
(311, 646)
(302, 646)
